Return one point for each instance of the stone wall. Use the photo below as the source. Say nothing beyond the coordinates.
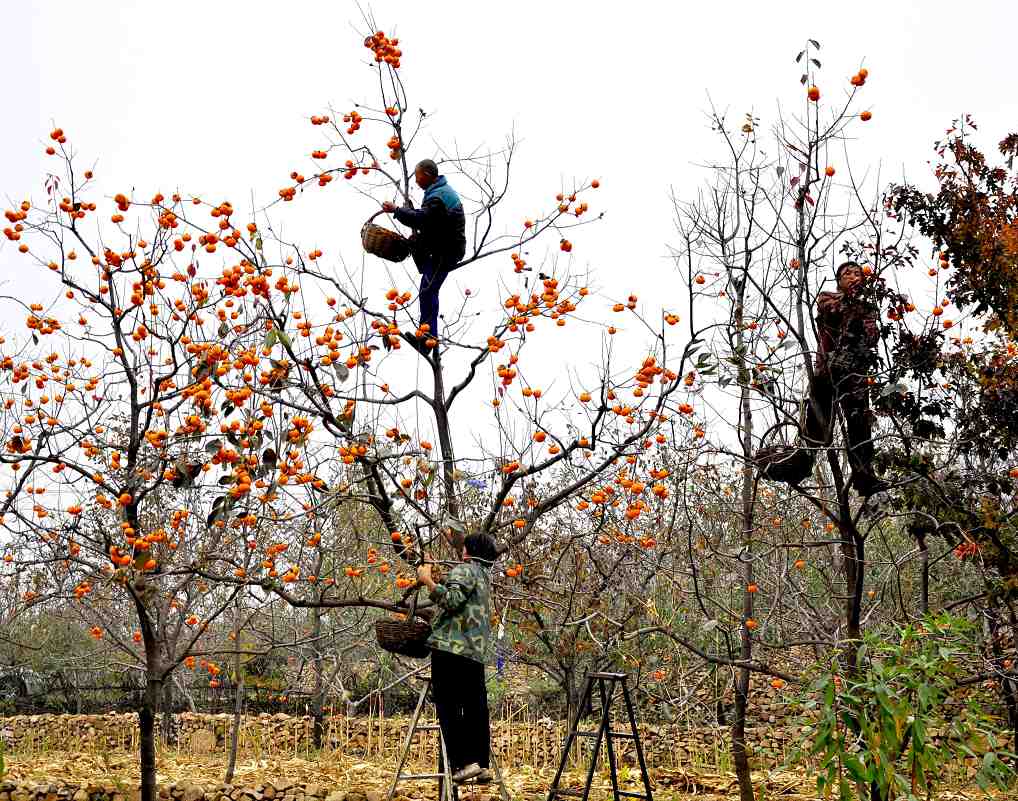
(534, 743)
(279, 790)
(515, 741)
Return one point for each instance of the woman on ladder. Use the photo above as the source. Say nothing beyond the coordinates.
(460, 645)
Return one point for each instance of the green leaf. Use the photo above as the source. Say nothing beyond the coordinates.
(856, 768)
(220, 507)
(212, 447)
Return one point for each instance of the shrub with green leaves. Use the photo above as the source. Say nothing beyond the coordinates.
(874, 731)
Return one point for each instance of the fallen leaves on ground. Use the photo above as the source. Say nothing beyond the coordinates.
(332, 772)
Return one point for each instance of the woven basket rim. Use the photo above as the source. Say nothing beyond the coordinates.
(404, 637)
(384, 242)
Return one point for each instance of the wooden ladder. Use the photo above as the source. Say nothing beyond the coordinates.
(447, 789)
(607, 686)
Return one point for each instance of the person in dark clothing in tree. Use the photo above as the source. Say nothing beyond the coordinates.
(846, 354)
(461, 644)
(438, 244)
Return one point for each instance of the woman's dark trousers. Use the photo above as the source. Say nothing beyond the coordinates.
(461, 701)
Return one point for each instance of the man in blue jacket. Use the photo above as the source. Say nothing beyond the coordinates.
(439, 242)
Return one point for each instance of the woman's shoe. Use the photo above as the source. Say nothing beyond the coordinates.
(467, 773)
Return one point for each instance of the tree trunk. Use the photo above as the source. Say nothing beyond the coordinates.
(317, 714)
(575, 708)
(238, 698)
(166, 708)
(572, 702)
(853, 550)
(924, 587)
(147, 737)
(740, 752)
(1011, 684)
(1007, 686)
(448, 457)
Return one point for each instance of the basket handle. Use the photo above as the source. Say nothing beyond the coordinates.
(380, 211)
(778, 426)
(413, 604)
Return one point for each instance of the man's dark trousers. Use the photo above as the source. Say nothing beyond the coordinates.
(850, 389)
(432, 278)
(461, 701)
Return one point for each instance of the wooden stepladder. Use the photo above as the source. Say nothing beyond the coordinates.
(447, 789)
(608, 683)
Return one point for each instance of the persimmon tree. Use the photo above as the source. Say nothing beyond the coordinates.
(971, 219)
(106, 431)
(199, 417)
(782, 210)
(334, 364)
(966, 492)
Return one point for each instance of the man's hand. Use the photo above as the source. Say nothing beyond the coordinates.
(388, 207)
(424, 576)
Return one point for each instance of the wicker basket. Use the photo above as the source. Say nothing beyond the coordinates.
(785, 463)
(405, 637)
(382, 242)
(791, 464)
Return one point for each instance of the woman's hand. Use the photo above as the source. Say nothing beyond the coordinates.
(388, 207)
(424, 576)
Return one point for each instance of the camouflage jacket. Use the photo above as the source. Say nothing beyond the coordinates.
(463, 625)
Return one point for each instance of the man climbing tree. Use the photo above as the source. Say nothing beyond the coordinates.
(439, 243)
(847, 335)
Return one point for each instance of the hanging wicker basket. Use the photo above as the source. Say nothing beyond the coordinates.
(791, 464)
(382, 242)
(407, 637)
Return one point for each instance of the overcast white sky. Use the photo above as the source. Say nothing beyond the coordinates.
(214, 98)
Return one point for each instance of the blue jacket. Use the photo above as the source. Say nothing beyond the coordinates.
(440, 226)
